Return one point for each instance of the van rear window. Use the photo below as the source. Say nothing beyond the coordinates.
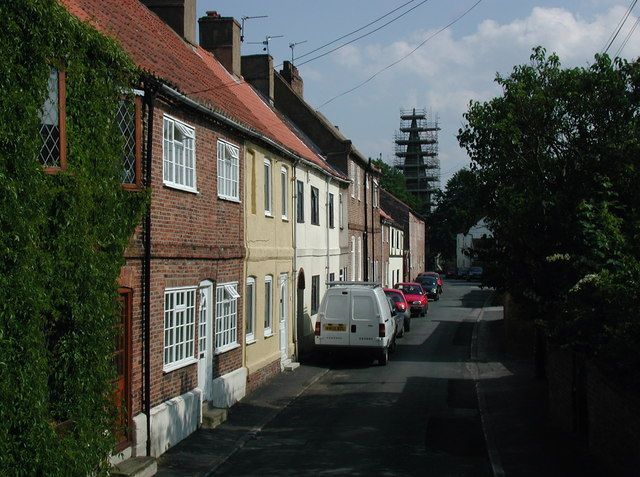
(337, 307)
(363, 308)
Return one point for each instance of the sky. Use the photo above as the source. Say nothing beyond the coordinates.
(451, 69)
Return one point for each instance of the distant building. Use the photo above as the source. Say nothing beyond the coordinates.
(466, 243)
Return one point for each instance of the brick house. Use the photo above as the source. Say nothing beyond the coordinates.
(183, 281)
(414, 234)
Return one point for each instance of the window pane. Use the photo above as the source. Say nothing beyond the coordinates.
(50, 123)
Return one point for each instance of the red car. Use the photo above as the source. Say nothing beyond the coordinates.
(415, 296)
(435, 275)
(402, 307)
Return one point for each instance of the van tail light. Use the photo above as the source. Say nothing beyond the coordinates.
(317, 331)
(382, 332)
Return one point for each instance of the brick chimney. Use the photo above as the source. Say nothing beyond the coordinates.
(178, 14)
(221, 36)
(257, 70)
(291, 76)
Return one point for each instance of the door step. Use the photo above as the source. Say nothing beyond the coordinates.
(212, 417)
(136, 467)
(289, 365)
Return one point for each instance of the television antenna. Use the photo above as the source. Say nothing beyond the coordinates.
(244, 18)
(292, 46)
(266, 41)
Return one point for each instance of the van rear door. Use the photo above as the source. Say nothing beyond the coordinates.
(334, 318)
(365, 317)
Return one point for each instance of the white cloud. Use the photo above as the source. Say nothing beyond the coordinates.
(450, 71)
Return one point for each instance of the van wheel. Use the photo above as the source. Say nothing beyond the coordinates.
(383, 359)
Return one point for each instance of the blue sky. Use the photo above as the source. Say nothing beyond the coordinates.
(451, 69)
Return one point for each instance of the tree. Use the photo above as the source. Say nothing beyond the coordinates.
(457, 209)
(557, 161)
(392, 180)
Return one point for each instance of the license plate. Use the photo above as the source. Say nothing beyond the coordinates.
(335, 327)
(416, 302)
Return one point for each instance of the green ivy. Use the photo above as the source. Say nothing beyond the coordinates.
(61, 246)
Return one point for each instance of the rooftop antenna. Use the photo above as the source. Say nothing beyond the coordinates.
(248, 18)
(265, 42)
(292, 46)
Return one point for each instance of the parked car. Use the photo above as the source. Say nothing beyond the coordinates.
(435, 275)
(356, 316)
(463, 272)
(402, 308)
(415, 296)
(475, 273)
(430, 285)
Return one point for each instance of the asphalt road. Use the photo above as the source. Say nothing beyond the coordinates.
(416, 416)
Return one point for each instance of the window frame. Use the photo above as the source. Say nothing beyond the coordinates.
(250, 313)
(222, 181)
(137, 183)
(300, 201)
(62, 122)
(230, 319)
(315, 294)
(186, 360)
(172, 183)
(340, 211)
(315, 206)
(268, 307)
(331, 211)
(267, 171)
(354, 179)
(284, 193)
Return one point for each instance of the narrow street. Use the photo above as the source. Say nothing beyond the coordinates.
(416, 416)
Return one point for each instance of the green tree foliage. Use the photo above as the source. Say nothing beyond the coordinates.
(392, 180)
(61, 246)
(556, 156)
(457, 209)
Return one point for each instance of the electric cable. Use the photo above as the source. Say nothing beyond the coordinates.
(626, 38)
(621, 23)
(458, 18)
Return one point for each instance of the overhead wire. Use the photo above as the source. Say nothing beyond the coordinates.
(363, 35)
(621, 23)
(626, 38)
(391, 65)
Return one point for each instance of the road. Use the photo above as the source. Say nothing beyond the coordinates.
(416, 416)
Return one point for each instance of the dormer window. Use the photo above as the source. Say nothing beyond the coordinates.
(53, 155)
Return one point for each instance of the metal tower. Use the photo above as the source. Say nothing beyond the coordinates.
(417, 153)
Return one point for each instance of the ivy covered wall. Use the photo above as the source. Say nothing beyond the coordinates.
(61, 244)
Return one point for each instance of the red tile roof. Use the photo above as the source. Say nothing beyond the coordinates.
(190, 69)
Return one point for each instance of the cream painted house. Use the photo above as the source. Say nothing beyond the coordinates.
(321, 229)
(395, 273)
(268, 290)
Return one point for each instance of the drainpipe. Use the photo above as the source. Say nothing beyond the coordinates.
(365, 255)
(373, 228)
(294, 274)
(327, 182)
(149, 96)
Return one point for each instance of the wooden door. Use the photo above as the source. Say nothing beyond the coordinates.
(122, 359)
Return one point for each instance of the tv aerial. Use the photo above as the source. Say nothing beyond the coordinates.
(292, 46)
(244, 18)
(266, 41)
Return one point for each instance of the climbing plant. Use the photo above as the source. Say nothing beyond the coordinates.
(62, 243)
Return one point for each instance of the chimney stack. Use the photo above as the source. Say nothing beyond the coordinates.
(178, 14)
(291, 76)
(221, 36)
(257, 70)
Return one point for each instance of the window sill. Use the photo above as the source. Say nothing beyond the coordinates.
(178, 365)
(268, 214)
(268, 333)
(171, 185)
(131, 187)
(226, 348)
(230, 199)
(249, 340)
(285, 218)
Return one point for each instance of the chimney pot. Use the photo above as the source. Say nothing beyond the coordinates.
(291, 76)
(221, 36)
(213, 14)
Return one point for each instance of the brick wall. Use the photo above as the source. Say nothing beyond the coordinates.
(257, 379)
(194, 237)
(611, 423)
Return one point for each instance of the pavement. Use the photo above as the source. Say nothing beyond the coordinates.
(511, 402)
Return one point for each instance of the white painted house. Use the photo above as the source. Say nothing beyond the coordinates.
(464, 242)
(320, 221)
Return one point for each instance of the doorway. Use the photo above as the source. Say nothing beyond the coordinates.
(205, 345)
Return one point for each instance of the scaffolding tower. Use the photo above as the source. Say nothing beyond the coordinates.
(416, 153)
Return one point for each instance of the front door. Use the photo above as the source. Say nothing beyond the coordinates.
(284, 304)
(122, 358)
(205, 357)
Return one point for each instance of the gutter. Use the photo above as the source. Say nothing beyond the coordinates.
(244, 129)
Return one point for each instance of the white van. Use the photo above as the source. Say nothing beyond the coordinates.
(356, 316)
